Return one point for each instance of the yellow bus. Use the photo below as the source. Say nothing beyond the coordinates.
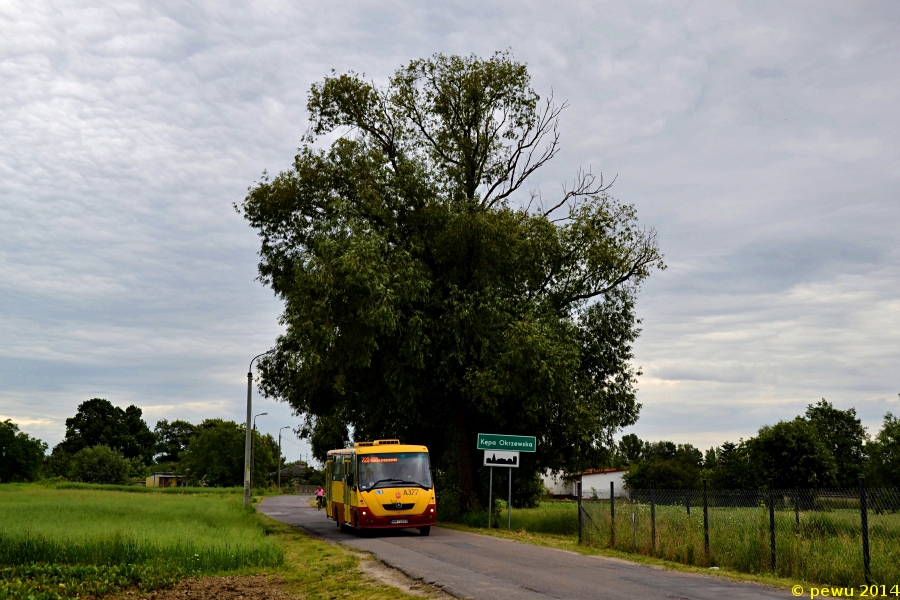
(380, 485)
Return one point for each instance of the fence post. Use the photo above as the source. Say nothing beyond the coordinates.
(612, 514)
(864, 516)
(633, 531)
(490, 496)
(797, 506)
(687, 501)
(652, 519)
(580, 519)
(772, 521)
(705, 523)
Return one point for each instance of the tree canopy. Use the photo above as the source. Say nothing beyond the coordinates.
(215, 455)
(21, 455)
(172, 439)
(99, 464)
(427, 295)
(884, 454)
(99, 423)
(844, 435)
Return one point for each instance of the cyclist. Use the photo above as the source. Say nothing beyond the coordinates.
(320, 497)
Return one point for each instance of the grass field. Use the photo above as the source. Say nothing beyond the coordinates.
(825, 547)
(87, 541)
(144, 540)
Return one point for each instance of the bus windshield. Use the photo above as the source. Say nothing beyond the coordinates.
(398, 469)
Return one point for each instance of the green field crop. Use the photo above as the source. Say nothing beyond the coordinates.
(201, 533)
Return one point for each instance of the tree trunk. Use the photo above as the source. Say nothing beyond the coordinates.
(466, 473)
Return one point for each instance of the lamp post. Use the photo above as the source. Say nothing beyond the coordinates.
(279, 456)
(251, 446)
(248, 442)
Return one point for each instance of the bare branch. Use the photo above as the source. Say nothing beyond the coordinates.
(582, 186)
(524, 159)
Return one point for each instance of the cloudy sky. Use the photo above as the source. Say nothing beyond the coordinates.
(759, 138)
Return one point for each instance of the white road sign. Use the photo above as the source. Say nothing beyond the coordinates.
(498, 458)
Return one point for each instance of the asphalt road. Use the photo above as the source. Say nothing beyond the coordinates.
(474, 566)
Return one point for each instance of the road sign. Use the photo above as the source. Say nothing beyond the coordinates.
(498, 458)
(493, 441)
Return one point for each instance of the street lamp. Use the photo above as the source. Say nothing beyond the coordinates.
(248, 442)
(251, 446)
(279, 456)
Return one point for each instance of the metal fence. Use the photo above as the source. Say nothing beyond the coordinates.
(839, 536)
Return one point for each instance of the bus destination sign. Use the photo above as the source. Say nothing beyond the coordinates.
(520, 443)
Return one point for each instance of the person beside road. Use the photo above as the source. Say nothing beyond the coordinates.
(320, 497)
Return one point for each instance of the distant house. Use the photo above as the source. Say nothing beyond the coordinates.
(165, 480)
(290, 473)
(594, 483)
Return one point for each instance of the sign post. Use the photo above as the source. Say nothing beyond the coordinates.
(503, 451)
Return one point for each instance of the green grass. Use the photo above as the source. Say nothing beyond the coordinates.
(825, 547)
(155, 537)
(549, 517)
(91, 541)
(140, 489)
(201, 533)
(317, 570)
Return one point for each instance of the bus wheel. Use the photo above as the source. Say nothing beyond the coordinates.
(336, 522)
(425, 530)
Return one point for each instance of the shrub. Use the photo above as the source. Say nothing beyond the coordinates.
(99, 464)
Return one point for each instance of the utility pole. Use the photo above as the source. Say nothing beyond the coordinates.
(279, 456)
(251, 446)
(248, 441)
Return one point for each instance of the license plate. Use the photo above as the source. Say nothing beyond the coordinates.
(398, 521)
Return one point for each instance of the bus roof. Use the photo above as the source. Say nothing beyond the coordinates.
(378, 447)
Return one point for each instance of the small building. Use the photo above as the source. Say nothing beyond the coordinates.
(290, 473)
(594, 483)
(558, 485)
(165, 480)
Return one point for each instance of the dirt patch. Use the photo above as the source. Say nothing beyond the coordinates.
(380, 572)
(250, 587)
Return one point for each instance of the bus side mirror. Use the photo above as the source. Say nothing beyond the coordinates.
(350, 479)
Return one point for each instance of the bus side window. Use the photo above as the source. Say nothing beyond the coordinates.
(350, 466)
(338, 470)
(329, 469)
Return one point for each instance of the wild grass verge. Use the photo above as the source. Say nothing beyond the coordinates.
(317, 570)
(818, 546)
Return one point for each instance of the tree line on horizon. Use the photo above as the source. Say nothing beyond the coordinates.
(824, 448)
(108, 444)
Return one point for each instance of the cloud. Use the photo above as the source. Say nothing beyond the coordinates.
(764, 73)
(129, 130)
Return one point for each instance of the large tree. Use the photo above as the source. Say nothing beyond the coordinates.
(844, 435)
(427, 295)
(793, 455)
(883, 469)
(99, 423)
(172, 439)
(215, 455)
(20, 454)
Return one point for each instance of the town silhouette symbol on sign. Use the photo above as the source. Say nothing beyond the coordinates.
(493, 460)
